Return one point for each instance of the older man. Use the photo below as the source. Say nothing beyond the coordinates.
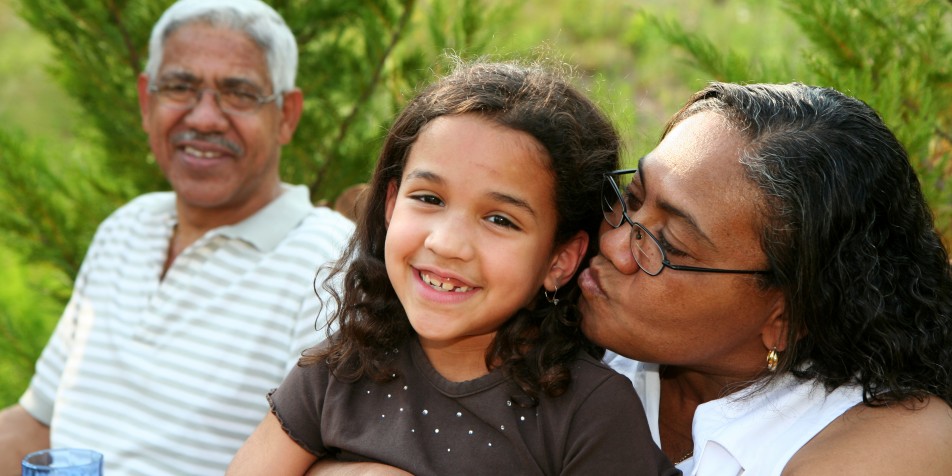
(192, 304)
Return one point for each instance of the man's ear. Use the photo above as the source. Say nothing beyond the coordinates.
(291, 107)
(391, 200)
(568, 257)
(142, 86)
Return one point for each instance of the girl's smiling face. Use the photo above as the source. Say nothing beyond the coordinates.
(470, 231)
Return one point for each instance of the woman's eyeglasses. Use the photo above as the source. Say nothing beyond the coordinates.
(645, 247)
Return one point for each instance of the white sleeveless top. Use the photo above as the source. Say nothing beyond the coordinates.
(735, 435)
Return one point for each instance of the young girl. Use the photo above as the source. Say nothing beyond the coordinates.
(458, 347)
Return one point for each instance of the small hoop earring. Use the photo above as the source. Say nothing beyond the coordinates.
(552, 299)
(772, 359)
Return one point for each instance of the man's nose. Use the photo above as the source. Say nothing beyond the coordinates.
(207, 113)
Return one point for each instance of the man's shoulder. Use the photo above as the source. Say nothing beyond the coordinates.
(329, 217)
(323, 224)
(152, 203)
(318, 237)
(143, 208)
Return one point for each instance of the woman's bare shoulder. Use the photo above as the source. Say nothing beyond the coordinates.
(910, 438)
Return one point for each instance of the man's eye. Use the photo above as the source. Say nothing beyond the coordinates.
(176, 87)
(239, 97)
(177, 92)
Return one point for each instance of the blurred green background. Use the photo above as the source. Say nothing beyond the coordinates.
(71, 149)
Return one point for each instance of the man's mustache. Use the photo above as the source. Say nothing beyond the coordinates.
(214, 138)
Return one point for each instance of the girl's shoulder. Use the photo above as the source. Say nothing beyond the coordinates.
(592, 378)
(912, 437)
(590, 367)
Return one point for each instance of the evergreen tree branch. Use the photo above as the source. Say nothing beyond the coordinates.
(366, 93)
(133, 53)
(943, 134)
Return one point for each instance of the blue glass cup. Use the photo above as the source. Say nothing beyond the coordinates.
(62, 462)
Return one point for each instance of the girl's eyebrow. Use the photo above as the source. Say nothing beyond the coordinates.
(674, 210)
(497, 196)
(424, 175)
(515, 201)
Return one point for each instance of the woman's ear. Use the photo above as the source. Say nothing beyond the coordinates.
(777, 327)
(568, 257)
(391, 200)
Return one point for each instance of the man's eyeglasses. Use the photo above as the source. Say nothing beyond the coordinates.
(184, 96)
(646, 249)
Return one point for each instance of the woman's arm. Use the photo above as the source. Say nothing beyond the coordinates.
(913, 438)
(269, 450)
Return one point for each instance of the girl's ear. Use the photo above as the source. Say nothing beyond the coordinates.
(391, 200)
(567, 259)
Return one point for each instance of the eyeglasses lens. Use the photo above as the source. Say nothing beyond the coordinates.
(612, 207)
(230, 102)
(646, 250)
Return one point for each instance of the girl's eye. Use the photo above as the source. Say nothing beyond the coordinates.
(666, 246)
(428, 199)
(503, 222)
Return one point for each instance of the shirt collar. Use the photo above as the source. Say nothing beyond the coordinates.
(264, 229)
(267, 227)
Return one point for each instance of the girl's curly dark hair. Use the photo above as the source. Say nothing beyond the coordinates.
(849, 237)
(536, 346)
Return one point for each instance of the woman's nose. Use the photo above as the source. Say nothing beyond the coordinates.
(615, 246)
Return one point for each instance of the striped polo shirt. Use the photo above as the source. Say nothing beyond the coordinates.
(170, 376)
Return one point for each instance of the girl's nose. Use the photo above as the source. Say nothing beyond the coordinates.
(452, 238)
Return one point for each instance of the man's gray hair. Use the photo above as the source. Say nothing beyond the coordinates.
(254, 18)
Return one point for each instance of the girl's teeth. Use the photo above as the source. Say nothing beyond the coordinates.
(435, 284)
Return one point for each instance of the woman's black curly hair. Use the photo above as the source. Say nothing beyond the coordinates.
(849, 237)
(535, 346)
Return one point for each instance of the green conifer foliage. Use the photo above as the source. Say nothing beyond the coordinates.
(359, 62)
(896, 55)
